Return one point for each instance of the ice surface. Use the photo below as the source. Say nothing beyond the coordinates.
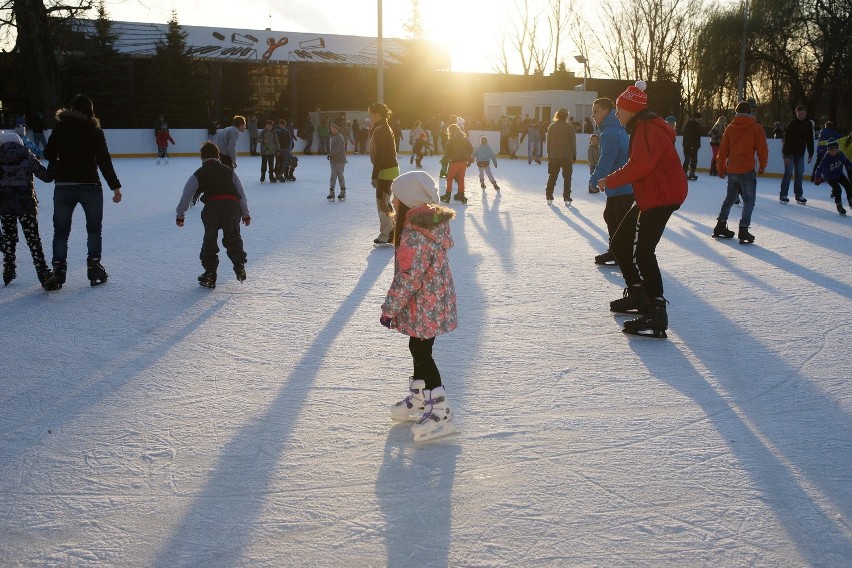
(151, 422)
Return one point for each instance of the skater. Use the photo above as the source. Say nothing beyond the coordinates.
(715, 135)
(269, 149)
(484, 157)
(226, 140)
(671, 121)
(659, 186)
(614, 153)
(77, 148)
(457, 154)
(413, 138)
(561, 155)
(224, 205)
(826, 133)
(593, 155)
(254, 134)
(286, 162)
(421, 301)
(337, 162)
(385, 167)
(742, 139)
(691, 145)
(162, 137)
(19, 204)
(798, 137)
(533, 142)
(421, 146)
(830, 170)
(323, 132)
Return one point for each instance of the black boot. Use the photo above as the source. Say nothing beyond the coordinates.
(721, 231)
(8, 273)
(208, 279)
(633, 302)
(57, 278)
(745, 237)
(96, 273)
(605, 258)
(653, 324)
(240, 271)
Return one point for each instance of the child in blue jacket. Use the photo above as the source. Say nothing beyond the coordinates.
(484, 156)
(830, 169)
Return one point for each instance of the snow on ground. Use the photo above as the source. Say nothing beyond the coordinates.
(150, 422)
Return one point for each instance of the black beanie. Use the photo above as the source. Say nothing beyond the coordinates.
(83, 104)
(744, 108)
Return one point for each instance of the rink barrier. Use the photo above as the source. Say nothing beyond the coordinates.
(139, 143)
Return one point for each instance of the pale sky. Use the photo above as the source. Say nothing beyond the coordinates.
(469, 27)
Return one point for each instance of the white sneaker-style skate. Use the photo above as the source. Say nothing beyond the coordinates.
(412, 407)
(437, 420)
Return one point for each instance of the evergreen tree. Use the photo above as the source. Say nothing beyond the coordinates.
(177, 85)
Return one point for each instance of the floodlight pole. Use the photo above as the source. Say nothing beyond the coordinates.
(581, 59)
(380, 52)
(741, 84)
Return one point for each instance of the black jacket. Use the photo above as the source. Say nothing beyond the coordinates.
(692, 134)
(798, 136)
(77, 148)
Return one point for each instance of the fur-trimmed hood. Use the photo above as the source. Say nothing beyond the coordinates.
(432, 221)
(69, 113)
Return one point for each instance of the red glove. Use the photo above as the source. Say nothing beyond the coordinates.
(817, 180)
(386, 321)
(179, 221)
(247, 220)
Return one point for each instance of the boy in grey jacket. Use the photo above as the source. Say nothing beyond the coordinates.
(337, 161)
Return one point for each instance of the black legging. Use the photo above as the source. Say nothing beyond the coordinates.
(424, 366)
(634, 244)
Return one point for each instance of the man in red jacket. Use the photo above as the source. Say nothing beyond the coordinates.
(659, 187)
(742, 139)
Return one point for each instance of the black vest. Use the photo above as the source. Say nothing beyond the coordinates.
(215, 178)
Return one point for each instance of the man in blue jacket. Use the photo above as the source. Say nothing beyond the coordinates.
(615, 145)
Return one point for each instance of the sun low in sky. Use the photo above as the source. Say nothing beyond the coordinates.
(470, 28)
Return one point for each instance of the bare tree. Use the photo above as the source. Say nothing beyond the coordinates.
(561, 12)
(30, 22)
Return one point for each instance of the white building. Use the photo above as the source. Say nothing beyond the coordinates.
(540, 104)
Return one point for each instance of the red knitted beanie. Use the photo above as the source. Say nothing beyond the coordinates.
(634, 98)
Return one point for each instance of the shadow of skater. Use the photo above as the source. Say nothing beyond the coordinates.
(414, 490)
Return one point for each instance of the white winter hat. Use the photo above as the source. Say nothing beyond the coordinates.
(415, 188)
(10, 137)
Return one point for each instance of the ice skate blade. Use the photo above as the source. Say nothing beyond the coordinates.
(97, 282)
(444, 430)
(648, 333)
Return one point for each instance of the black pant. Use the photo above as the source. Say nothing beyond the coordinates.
(267, 161)
(425, 368)
(634, 244)
(836, 192)
(224, 215)
(690, 158)
(554, 165)
(615, 210)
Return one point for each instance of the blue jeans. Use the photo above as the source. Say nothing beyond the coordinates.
(747, 185)
(792, 163)
(65, 199)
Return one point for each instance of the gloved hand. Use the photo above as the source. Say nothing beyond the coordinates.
(817, 180)
(386, 321)
(179, 221)
(247, 220)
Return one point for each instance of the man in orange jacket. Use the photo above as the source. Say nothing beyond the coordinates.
(742, 139)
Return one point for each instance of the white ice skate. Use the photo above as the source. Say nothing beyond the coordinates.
(412, 407)
(437, 420)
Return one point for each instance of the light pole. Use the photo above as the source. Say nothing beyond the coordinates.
(380, 52)
(581, 59)
(743, 46)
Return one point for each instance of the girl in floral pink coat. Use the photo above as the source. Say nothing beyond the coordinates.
(421, 302)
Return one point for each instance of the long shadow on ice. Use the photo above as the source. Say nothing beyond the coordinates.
(790, 437)
(218, 525)
(414, 490)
